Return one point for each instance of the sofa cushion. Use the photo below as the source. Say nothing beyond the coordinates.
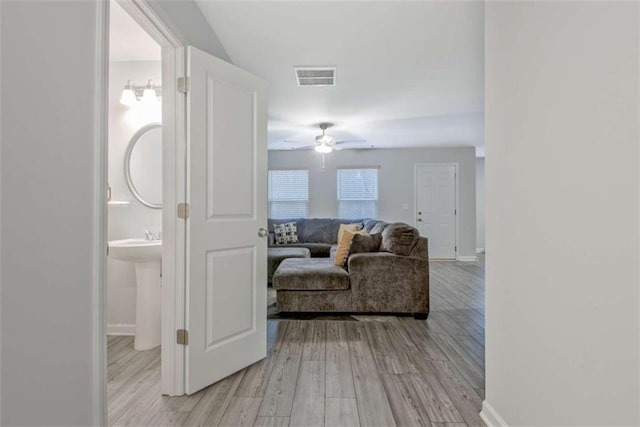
(399, 238)
(365, 243)
(322, 230)
(318, 250)
(378, 227)
(276, 255)
(343, 246)
(310, 274)
(368, 224)
(286, 233)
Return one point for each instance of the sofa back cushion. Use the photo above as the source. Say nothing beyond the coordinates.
(378, 227)
(365, 243)
(323, 230)
(399, 238)
(315, 230)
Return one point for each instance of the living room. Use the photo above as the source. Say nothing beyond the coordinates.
(559, 100)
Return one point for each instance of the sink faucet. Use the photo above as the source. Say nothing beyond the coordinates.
(149, 235)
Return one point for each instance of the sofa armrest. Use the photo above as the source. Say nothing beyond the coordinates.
(384, 282)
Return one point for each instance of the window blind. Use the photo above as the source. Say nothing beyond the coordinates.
(288, 194)
(357, 193)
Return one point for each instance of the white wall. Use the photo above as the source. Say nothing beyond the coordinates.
(49, 252)
(133, 220)
(480, 203)
(187, 22)
(395, 186)
(562, 130)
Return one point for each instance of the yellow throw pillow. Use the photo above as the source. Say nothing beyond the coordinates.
(343, 246)
(345, 227)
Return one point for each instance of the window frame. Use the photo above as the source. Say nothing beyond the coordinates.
(269, 193)
(377, 191)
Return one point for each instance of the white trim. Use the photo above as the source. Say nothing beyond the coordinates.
(479, 250)
(490, 417)
(100, 125)
(457, 186)
(174, 191)
(121, 329)
(467, 258)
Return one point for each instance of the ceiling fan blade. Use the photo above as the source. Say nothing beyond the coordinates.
(307, 147)
(355, 141)
(294, 142)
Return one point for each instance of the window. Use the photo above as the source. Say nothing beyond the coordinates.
(357, 193)
(288, 194)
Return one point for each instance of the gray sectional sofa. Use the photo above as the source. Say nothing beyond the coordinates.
(395, 279)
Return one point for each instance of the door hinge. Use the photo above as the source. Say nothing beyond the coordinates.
(182, 337)
(183, 84)
(183, 210)
(455, 211)
(455, 248)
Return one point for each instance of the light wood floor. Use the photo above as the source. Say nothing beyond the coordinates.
(378, 371)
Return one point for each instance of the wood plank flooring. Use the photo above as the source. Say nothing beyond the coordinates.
(376, 371)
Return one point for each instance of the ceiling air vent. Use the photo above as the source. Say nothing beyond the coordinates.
(315, 76)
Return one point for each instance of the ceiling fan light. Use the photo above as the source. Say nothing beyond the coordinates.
(323, 148)
(324, 139)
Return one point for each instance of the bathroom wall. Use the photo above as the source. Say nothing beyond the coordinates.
(132, 220)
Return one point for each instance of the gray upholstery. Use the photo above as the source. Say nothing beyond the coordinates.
(314, 301)
(375, 282)
(276, 255)
(399, 238)
(315, 234)
(317, 250)
(382, 282)
(365, 243)
(316, 274)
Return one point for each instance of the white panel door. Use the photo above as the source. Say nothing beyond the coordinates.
(436, 208)
(226, 259)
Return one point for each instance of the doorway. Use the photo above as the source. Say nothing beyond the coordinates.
(436, 208)
(145, 60)
(214, 127)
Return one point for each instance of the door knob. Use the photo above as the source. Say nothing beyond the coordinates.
(262, 232)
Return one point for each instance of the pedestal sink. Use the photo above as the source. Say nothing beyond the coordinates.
(147, 257)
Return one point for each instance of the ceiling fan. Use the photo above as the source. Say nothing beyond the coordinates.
(324, 143)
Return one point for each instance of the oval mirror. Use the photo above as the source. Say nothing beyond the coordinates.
(143, 165)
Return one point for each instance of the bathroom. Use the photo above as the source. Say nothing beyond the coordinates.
(135, 186)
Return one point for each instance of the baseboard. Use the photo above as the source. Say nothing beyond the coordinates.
(479, 250)
(121, 329)
(490, 416)
(467, 258)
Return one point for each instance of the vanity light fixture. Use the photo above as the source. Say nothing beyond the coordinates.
(148, 94)
(128, 96)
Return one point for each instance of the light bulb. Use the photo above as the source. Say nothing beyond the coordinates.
(149, 94)
(128, 96)
(323, 148)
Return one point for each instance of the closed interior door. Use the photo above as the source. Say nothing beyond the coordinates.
(227, 245)
(436, 208)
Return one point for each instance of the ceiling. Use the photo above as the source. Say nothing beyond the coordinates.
(127, 40)
(409, 74)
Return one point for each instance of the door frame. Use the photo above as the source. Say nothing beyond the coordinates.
(174, 166)
(456, 167)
